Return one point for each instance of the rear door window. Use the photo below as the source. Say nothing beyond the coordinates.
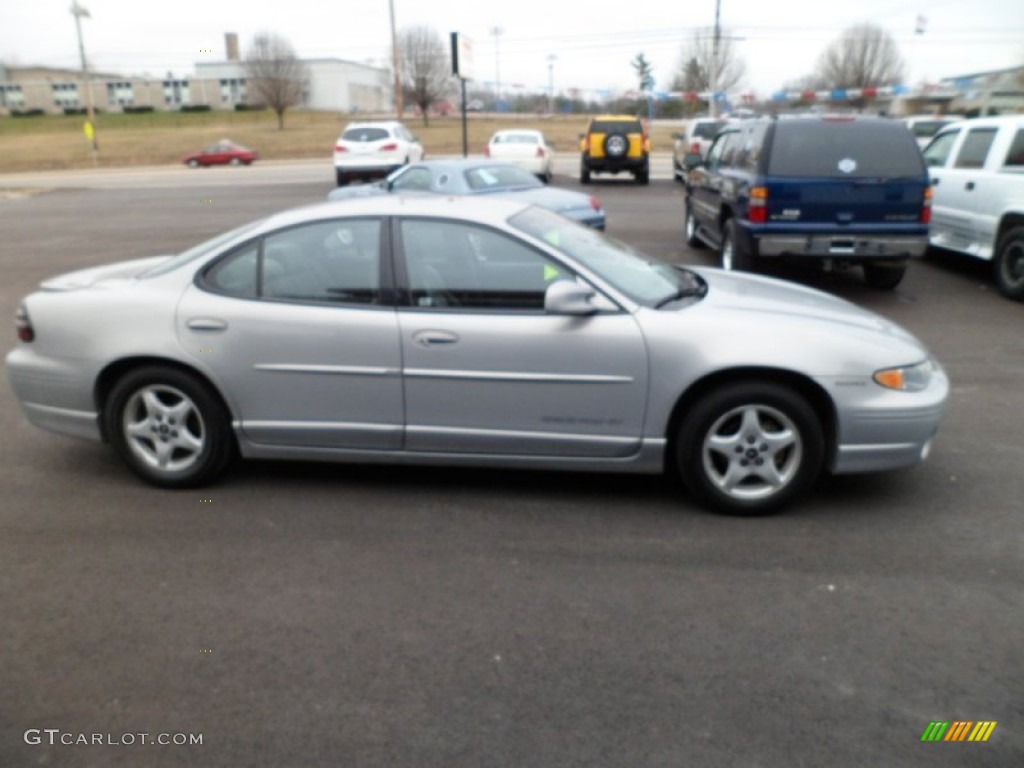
(843, 149)
(365, 134)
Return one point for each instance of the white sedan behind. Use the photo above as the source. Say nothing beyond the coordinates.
(527, 149)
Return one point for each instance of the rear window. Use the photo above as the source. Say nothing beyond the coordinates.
(616, 126)
(365, 134)
(516, 138)
(843, 149)
(707, 130)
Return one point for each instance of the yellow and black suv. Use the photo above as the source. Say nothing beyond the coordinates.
(615, 143)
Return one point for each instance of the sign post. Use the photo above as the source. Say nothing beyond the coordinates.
(462, 68)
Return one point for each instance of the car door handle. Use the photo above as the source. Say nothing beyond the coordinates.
(207, 324)
(969, 186)
(434, 338)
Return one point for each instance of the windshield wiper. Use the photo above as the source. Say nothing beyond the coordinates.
(696, 287)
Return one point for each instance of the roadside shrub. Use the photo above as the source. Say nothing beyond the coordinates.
(27, 112)
(195, 107)
(250, 107)
(130, 110)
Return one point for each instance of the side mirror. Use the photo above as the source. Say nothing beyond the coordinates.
(692, 160)
(567, 297)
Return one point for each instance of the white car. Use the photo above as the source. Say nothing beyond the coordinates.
(527, 149)
(371, 150)
(691, 145)
(977, 176)
(924, 127)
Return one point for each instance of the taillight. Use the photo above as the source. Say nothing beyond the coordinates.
(540, 151)
(340, 148)
(388, 148)
(595, 203)
(926, 206)
(695, 148)
(24, 325)
(758, 212)
(487, 150)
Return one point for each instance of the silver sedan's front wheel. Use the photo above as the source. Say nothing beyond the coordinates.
(750, 448)
(168, 427)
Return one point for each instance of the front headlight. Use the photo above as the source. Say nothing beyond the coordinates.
(908, 378)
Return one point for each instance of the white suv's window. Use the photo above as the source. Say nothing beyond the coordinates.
(1015, 157)
(975, 148)
(936, 153)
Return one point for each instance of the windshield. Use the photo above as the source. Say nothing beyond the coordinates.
(707, 130)
(641, 278)
(208, 246)
(498, 177)
(843, 148)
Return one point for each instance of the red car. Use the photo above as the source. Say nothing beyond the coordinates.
(224, 152)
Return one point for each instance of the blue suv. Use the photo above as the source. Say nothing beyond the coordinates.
(837, 190)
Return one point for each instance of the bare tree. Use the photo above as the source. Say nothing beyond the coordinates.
(695, 65)
(864, 56)
(274, 73)
(425, 68)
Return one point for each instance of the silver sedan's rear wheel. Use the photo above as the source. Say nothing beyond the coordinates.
(168, 427)
(750, 448)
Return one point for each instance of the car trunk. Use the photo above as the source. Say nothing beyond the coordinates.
(853, 201)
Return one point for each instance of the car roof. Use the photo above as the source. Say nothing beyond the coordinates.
(488, 210)
(615, 117)
(455, 164)
(375, 124)
(532, 131)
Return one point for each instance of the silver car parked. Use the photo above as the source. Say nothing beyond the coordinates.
(436, 330)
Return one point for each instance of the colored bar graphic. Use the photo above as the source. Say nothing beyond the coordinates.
(982, 730)
(958, 730)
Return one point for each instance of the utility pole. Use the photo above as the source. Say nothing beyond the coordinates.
(713, 105)
(90, 127)
(497, 32)
(394, 61)
(551, 83)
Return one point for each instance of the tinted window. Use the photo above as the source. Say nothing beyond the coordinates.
(751, 144)
(843, 149)
(1015, 157)
(730, 149)
(460, 266)
(365, 134)
(937, 152)
(616, 126)
(516, 138)
(975, 148)
(335, 261)
(494, 177)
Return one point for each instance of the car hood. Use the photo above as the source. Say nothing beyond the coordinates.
(85, 278)
(783, 314)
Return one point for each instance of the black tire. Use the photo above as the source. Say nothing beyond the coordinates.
(884, 277)
(616, 145)
(677, 172)
(584, 172)
(643, 176)
(732, 428)
(690, 229)
(342, 178)
(734, 253)
(160, 415)
(1009, 264)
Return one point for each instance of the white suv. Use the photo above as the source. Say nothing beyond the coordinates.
(368, 150)
(977, 175)
(692, 144)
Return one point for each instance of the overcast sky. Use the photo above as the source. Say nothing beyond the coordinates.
(594, 41)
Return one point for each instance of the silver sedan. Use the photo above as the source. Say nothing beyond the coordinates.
(461, 331)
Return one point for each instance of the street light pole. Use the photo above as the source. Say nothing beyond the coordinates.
(497, 32)
(394, 61)
(551, 83)
(78, 12)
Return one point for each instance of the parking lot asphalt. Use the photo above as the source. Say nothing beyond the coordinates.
(333, 615)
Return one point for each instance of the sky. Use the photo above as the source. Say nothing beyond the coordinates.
(593, 42)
